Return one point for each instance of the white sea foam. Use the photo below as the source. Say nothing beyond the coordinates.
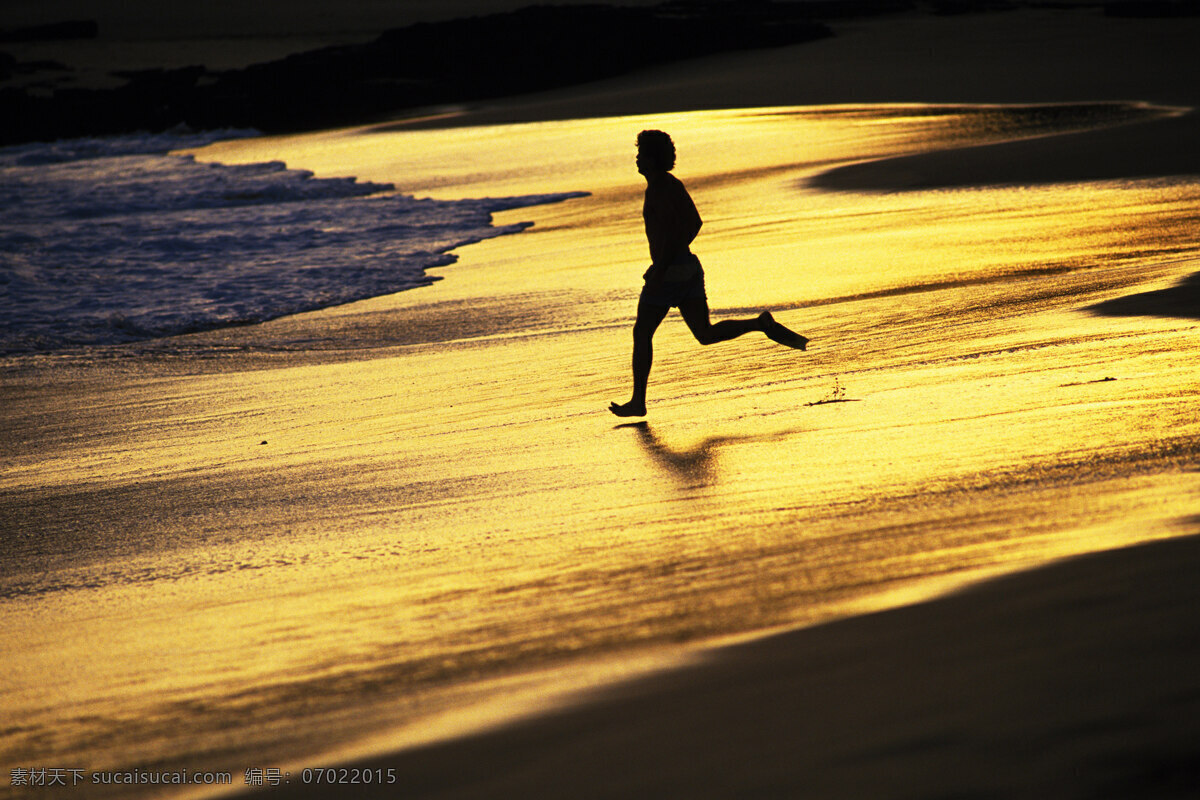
(111, 240)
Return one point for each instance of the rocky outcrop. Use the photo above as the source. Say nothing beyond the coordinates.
(535, 48)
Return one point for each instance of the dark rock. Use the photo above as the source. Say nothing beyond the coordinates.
(73, 29)
(535, 48)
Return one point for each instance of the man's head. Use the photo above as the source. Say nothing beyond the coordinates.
(656, 152)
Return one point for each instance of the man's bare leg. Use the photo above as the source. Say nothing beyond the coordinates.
(649, 316)
(695, 314)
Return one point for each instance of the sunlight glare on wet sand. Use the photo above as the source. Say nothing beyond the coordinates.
(447, 508)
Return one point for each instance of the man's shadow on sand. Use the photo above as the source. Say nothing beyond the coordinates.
(1180, 300)
(695, 467)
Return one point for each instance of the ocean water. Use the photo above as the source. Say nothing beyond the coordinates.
(113, 240)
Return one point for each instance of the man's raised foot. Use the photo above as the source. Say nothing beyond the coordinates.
(778, 333)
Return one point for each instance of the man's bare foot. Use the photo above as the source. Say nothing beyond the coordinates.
(778, 333)
(630, 409)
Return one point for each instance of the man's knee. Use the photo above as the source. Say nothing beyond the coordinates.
(705, 336)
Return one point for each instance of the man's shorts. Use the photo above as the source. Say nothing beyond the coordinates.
(672, 293)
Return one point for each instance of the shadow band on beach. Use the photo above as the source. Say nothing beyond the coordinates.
(1181, 300)
(1081, 679)
(1155, 149)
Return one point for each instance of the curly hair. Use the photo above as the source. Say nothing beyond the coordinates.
(658, 148)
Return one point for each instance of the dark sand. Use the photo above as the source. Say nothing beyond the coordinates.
(1181, 300)
(1149, 150)
(1077, 680)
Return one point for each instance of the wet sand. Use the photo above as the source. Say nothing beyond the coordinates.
(446, 503)
(1074, 680)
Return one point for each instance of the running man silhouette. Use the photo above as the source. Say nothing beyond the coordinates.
(675, 277)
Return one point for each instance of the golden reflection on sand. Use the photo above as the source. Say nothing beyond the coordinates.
(350, 540)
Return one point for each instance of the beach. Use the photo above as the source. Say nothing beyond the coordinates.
(944, 552)
(1035, 685)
